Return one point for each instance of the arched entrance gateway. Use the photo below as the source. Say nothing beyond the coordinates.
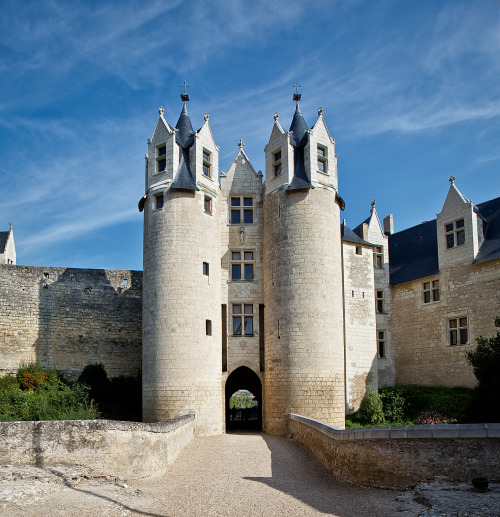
(244, 380)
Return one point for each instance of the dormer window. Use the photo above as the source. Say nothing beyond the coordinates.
(322, 159)
(161, 161)
(277, 162)
(207, 163)
(454, 233)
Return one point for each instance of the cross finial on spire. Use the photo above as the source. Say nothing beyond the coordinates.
(161, 111)
(184, 94)
(241, 144)
(296, 95)
(452, 180)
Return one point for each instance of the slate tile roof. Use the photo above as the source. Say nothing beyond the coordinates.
(3, 241)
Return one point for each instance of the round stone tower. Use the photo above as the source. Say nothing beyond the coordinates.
(182, 361)
(304, 345)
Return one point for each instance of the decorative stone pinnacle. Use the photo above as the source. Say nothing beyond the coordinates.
(241, 144)
(452, 180)
(276, 116)
(10, 226)
(320, 111)
(161, 111)
(373, 204)
(206, 116)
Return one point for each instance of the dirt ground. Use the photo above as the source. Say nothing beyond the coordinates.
(229, 475)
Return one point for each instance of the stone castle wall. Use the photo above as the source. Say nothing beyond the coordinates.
(422, 352)
(67, 318)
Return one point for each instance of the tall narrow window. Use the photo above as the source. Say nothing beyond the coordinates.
(322, 159)
(208, 205)
(431, 291)
(379, 302)
(378, 257)
(161, 162)
(206, 268)
(454, 233)
(159, 201)
(208, 327)
(458, 332)
(207, 163)
(381, 343)
(277, 162)
(242, 210)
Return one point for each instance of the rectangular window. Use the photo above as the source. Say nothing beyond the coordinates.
(207, 163)
(208, 205)
(242, 319)
(242, 210)
(379, 302)
(208, 327)
(378, 257)
(359, 250)
(458, 333)
(242, 265)
(277, 162)
(161, 162)
(322, 159)
(381, 343)
(159, 201)
(431, 291)
(206, 268)
(454, 233)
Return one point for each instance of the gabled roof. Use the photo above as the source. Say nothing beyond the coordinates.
(490, 248)
(413, 253)
(298, 138)
(346, 234)
(4, 236)
(357, 230)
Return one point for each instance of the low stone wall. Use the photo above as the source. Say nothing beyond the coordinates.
(402, 457)
(123, 449)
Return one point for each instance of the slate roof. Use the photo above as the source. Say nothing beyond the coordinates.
(184, 136)
(346, 234)
(298, 138)
(3, 241)
(490, 248)
(413, 253)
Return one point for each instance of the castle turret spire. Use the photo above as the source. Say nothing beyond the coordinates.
(298, 138)
(184, 137)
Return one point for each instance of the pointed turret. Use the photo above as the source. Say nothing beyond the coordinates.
(184, 137)
(298, 138)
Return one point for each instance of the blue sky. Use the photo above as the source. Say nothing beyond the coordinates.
(410, 91)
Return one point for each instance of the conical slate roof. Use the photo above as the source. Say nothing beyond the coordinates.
(184, 177)
(298, 139)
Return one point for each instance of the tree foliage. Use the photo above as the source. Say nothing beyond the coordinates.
(485, 362)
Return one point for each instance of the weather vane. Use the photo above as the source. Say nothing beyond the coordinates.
(184, 94)
(297, 95)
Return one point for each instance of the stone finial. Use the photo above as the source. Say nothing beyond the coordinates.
(206, 116)
(161, 111)
(10, 226)
(149, 140)
(320, 111)
(452, 180)
(241, 144)
(373, 204)
(276, 116)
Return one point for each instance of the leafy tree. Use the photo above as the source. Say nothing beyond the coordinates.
(485, 361)
(242, 400)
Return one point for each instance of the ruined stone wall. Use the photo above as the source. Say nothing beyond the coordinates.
(67, 318)
(422, 352)
(129, 450)
(402, 457)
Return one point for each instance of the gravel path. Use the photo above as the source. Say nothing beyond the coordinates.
(227, 475)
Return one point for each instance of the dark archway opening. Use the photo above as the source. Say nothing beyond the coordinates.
(248, 419)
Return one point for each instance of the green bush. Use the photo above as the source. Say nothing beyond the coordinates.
(39, 394)
(371, 409)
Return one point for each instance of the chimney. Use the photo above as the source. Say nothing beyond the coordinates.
(389, 224)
